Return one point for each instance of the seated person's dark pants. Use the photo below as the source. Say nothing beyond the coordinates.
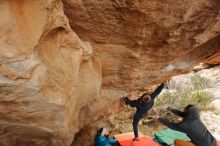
(136, 119)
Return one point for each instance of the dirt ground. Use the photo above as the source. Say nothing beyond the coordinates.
(149, 125)
(117, 124)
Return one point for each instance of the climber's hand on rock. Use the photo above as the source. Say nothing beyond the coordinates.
(122, 101)
(125, 94)
(166, 83)
(126, 100)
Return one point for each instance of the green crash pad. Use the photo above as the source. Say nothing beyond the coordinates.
(168, 136)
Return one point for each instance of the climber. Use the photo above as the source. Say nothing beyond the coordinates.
(101, 138)
(142, 104)
(192, 126)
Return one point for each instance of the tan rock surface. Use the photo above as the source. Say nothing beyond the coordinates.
(142, 36)
(55, 78)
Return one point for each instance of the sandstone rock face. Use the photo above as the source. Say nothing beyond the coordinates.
(142, 36)
(62, 63)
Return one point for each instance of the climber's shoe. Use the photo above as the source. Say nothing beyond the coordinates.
(136, 139)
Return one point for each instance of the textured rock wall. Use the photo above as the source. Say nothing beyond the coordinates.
(62, 63)
(142, 36)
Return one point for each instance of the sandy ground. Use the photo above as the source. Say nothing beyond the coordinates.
(212, 121)
(121, 123)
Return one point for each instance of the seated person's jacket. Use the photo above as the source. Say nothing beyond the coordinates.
(104, 141)
(192, 126)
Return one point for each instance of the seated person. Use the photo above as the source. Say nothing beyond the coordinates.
(101, 138)
(192, 126)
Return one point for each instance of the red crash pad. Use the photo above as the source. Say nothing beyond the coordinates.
(127, 140)
(218, 143)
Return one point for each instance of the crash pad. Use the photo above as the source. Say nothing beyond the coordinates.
(168, 136)
(127, 140)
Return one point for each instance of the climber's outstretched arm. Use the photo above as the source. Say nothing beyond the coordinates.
(157, 91)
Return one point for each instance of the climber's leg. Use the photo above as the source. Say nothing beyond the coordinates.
(136, 119)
